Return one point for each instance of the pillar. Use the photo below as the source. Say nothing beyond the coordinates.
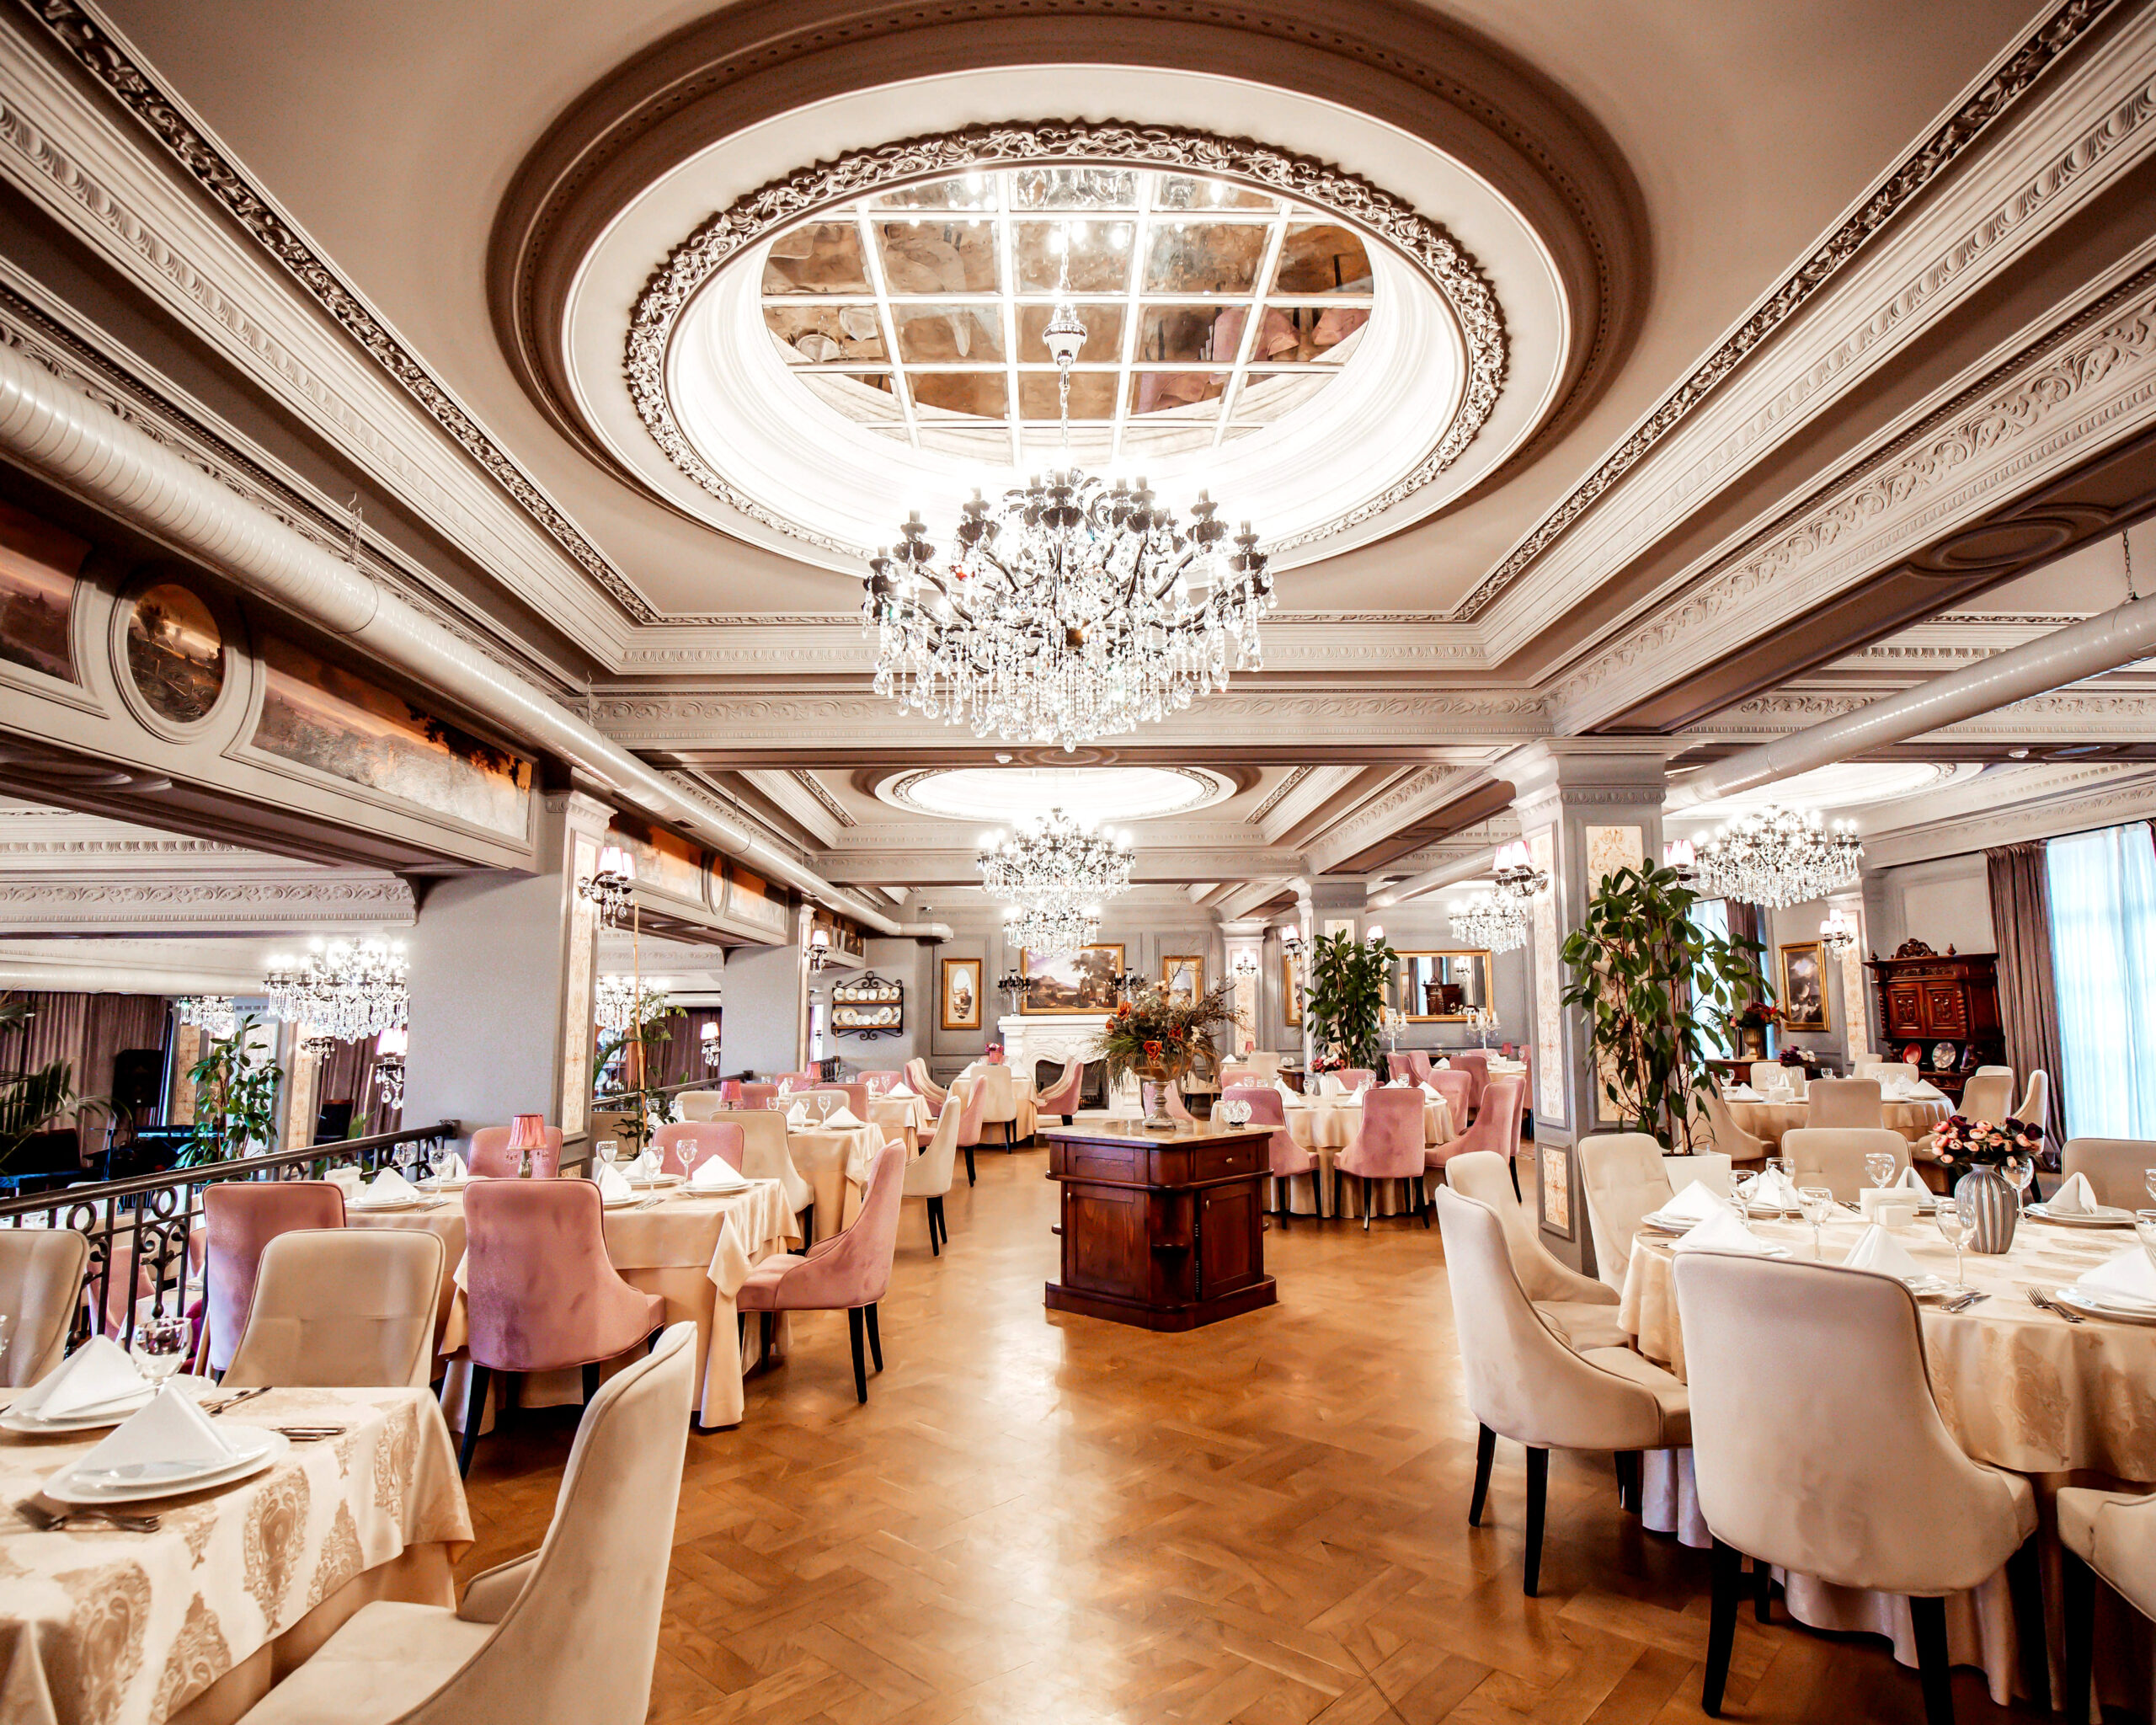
(766, 1029)
(1856, 1007)
(501, 967)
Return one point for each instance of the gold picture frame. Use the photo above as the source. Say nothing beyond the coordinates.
(1803, 992)
(958, 997)
(1426, 976)
(1291, 990)
(1183, 975)
(1087, 980)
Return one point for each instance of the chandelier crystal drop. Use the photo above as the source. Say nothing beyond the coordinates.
(1072, 609)
(214, 1014)
(1055, 858)
(1488, 920)
(615, 999)
(347, 989)
(1054, 929)
(1777, 857)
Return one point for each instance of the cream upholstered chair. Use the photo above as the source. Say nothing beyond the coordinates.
(699, 1105)
(1792, 1360)
(1871, 1065)
(1844, 1102)
(1004, 1103)
(930, 1092)
(2107, 1534)
(2035, 1105)
(1989, 1095)
(1622, 1179)
(765, 1157)
(1524, 1383)
(567, 1632)
(41, 1271)
(1833, 1156)
(342, 1308)
(2117, 1167)
(1713, 1121)
(928, 1175)
(1579, 1308)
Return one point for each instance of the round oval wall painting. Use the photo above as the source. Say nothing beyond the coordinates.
(175, 652)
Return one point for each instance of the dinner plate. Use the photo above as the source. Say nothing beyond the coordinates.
(109, 1414)
(654, 1179)
(2101, 1302)
(2104, 1216)
(628, 1201)
(1670, 1225)
(383, 1205)
(64, 1488)
(1931, 1287)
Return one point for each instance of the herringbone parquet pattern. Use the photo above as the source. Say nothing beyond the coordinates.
(1068, 1521)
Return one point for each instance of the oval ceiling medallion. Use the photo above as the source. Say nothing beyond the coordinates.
(863, 338)
(998, 795)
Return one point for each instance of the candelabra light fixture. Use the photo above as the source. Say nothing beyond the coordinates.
(1778, 857)
(612, 886)
(1488, 921)
(213, 1014)
(1054, 859)
(390, 1049)
(347, 989)
(1837, 934)
(1245, 964)
(1516, 875)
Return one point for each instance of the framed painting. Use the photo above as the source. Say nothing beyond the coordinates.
(1555, 1182)
(1183, 976)
(961, 994)
(1804, 986)
(1089, 980)
(1291, 990)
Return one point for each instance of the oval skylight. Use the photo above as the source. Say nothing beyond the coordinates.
(997, 796)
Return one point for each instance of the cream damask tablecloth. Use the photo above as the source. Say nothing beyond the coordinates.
(2018, 1387)
(1770, 1119)
(1327, 1125)
(836, 1164)
(108, 1628)
(904, 1118)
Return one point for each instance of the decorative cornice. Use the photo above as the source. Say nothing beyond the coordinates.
(1947, 143)
(809, 782)
(1293, 777)
(266, 906)
(100, 52)
(2048, 817)
(779, 203)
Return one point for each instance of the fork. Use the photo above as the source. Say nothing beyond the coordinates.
(231, 1401)
(57, 1520)
(2037, 1299)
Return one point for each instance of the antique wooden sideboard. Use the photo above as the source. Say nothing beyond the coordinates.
(1941, 1002)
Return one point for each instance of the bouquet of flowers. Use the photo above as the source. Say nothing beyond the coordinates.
(1328, 1061)
(1153, 1033)
(994, 1054)
(1756, 1015)
(1963, 1144)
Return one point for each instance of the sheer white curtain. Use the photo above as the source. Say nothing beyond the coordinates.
(2102, 888)
(1711, 916)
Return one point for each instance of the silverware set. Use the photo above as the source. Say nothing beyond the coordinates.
(45, 1518)
(2043, 1302)
(213, 1408)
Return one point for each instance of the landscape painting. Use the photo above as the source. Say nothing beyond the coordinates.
(672, 865)
(175, 652)
(1087, 980)
(329, 719)
(38, 564)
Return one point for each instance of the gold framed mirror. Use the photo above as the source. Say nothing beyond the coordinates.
(1440, 987)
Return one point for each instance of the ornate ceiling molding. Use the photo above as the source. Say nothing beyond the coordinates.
(147, 901)
(1293, 777)
(2049, 814)
(2064, 716)
(750, 219)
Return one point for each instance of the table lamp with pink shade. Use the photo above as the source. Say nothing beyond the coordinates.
(527, 1133)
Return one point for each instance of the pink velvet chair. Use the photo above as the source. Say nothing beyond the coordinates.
(1178, 1109)
(1353, 1078)
(239, 1218)
(856, 1095)
(759, 1096)
(1387, 1147)
(851, 1270)
(493, 1159)
(1475, 1063)
(1398, 1065)
(1284, 1158)
(1061, 1097)
(1457, 1089)
(542, 1293)
(1418, 1065)
(971, 1105)
(681, 1148)
(1496, 1128)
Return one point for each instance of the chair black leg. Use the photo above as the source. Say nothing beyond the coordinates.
(1628, 1480)
(1763, 1591)
(1512, 1161)
(766, 1329)
(1929, 1618)
(808, 1219)
(1288, 1197)
(875, 1338)
(1423, 1191)
(969, 1165)
(1363, 1181)
(1538, 1490)
(1486, 1452)
(1728, 1564)
(2025, 1587)
(1337, 1177)
(2078, 1611)
(475, 1411)
(590, 1382)
(860, 1366)
(935, 1236)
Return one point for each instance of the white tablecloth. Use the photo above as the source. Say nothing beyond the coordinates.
(904, 1118)
(1769, 1120)
(1327, 1125)
(835, 1161)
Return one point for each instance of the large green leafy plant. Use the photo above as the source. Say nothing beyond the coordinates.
(1345, 997)
(235, 1096)
(1656, 989)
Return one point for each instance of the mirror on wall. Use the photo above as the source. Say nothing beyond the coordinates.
(1428, 986)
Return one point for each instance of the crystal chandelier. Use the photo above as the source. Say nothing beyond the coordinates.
(346, 989)
(615, 997)
(1487, 920)
(1777, 857)
(1517, 877)
(1054, 859)
(1071, 610)
(211, 1013)
(1050, 928)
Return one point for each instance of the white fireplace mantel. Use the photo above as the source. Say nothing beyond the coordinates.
(1048, 1036)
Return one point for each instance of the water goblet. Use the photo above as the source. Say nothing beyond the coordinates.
(2144, 1229)
(1959, 1225)
(2019, 1171)
(2148, 1179)
(1816, 1204)
(161, 1344)
(1881, 1165)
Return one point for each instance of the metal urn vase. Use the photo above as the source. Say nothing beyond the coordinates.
(1160, 1074)
(1985, 1194)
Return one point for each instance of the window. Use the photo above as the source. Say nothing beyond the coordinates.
(1711, 916)
(2102, 889)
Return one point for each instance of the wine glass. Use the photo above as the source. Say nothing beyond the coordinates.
(160, 1346)
(1816, 1204)
(1880, 1166)
(1958, 1223)
(2148, 1179)
(2019, 1170)
(2144, 1229)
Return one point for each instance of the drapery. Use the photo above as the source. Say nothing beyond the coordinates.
(2102, 893)
(87, 1031)
(681, 1057)
(2028, 996)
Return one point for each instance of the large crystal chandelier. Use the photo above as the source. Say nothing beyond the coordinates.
(1071, 610)
(1054, 858)
(1488, 920)
(1777, 857)
(616, 999)
(348, 989)
(213, 1014)
(1050, 928)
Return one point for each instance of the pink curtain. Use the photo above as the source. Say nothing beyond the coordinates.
(2028, 992)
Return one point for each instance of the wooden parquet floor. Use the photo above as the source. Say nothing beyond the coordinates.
(1059, 1519)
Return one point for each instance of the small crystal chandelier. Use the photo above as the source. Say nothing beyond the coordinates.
(1071, 610)
(213, 1014)
(1051, 929)
(1054, 859)
(1777, 857)
(1837, 934)
(1487, 920)
(390, 1049)
(346, 989)
(613, 887)
(1515, 874)
(615, 999)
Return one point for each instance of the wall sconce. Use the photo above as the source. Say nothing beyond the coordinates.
(1245, 964)
(1837, 934)
(1374, 936)
(709, 1037)
(1515, 874)
(1679, 855)
(390, 1049)
(819, 949)
(613, 887)
(1291, 939)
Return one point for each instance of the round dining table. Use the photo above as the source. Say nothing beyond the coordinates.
(1770, 1119)
(904, 1118)
(1327, 1125)
(2017, 1386)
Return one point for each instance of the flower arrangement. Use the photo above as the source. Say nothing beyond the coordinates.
(1756, 1015)
(1328, 1061)
(994, 1054)
(1962, 1143)
(1153, 1034)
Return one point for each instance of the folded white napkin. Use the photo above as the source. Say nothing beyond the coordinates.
(797, 1116)
(96, 1372)
(1431, 1089)
(2075, 1198)
(1721, 1233)
(1397, 1084)
(2130, 1272)
(613, 1185)
(714, 1173)
(347, 1181)
(841, 1117)
(170, 1428)
(1912, 1180)
(1877, 1249)
(389, 1187)
(899, 1091)
(459, 1169)
(1739, 1093)
(1774, 1188)
(1443, 1065)
(1695, 1204)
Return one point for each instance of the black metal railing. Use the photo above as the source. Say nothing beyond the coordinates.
(139, 1227)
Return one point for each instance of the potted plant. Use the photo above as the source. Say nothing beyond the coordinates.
(1160, 1038)
(1346, 996)
(1751, 1022)
(1977, 1151)
(235, 1098)
(1656, 986)
(30, 1102)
